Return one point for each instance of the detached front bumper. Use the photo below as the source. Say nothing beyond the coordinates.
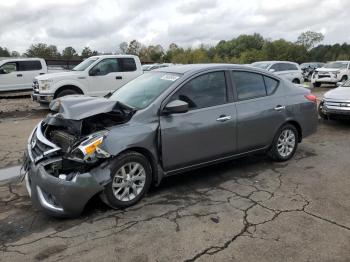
(59, 197)
(42, 98)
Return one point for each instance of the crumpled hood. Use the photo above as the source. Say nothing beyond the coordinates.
(67, 74)
(77, 107)
(340, 93)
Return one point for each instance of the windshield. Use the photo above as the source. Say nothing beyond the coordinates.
(141, 91)
(85, 64)
(261, 65)
(336, 65)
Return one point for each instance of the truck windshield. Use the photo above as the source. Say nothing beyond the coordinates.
(336, 65)
(85, 64)
(143, 90)
(261, 65)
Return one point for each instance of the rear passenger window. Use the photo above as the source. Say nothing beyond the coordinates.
(248, 85)
(290, 67)
(271, 85)
(203, 91)
(29, 65)
(127, 64)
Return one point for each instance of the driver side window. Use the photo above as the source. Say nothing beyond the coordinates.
(106, 66)
(9, 67)
(203, 91)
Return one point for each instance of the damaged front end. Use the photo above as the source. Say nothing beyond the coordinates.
(65, 164)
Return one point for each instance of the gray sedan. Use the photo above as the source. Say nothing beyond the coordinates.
(162, 123)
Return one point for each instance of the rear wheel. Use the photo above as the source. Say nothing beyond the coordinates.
(284, 144)
(131, 178)
(296, 81)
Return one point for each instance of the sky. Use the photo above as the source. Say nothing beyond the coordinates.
(104, 24)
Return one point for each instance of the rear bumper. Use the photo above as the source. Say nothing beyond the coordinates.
(59, 197)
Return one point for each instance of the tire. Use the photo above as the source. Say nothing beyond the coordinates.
(321, 114)
(296, 81)
(120, 192)
(284, 152)
(344, 78)
(66, 92)
(317, 84)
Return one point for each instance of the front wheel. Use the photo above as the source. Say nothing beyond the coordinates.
(320, 111)
(284, 144)
(131, 176)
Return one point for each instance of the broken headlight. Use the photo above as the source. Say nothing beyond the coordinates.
(89, 148)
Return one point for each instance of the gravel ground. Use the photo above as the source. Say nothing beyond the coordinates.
(250, 209)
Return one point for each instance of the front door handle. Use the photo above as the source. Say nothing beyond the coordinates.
(279, 108)
(223, 118)
(118, 77)
(19, 75)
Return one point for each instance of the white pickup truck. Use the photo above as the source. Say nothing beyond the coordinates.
(95, 76)
(18, 73)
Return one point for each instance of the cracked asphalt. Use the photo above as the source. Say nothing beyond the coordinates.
(250, 209)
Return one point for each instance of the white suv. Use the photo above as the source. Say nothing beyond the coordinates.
(285, 69)
(95, 76)
(331, 73)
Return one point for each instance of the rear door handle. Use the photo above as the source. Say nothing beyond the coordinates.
(118, 77)
(223, 118)
(19, 75)
(279, 108)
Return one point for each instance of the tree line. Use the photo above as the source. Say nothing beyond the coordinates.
(243, 49)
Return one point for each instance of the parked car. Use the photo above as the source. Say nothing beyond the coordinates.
(336, 103)
(331, 73)
(164, 122)
(288, 70)
(309, 68)
(17, 74)
(149, 67)
(95, 76)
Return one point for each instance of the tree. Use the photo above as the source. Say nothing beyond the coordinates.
(309, 39)
(123, 47)
(4, 52)
(69, 53)
(134, 47)
(43, 51)
(87, 52)
(15, 54)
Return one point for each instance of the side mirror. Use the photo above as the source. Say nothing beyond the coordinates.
(95, 72)
(176, 107)
(2, 71)
(272, 70)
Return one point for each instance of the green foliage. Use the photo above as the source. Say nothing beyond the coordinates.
(87, 52)
(309, 39)
(4, 52)
(69, 53)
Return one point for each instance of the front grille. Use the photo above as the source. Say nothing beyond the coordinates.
(39, 147)
(323, 76)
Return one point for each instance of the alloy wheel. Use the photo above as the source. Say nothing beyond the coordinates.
(286, 142)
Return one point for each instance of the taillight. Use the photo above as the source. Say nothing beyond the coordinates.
(311, 98)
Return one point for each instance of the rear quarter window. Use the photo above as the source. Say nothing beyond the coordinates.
(29, 65)
(270, 84)
(127, 64)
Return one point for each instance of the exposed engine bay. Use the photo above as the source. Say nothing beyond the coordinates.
(73, 139)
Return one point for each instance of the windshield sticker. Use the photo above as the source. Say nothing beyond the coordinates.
(170, 77)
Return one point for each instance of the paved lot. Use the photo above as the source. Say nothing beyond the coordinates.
(250, 209)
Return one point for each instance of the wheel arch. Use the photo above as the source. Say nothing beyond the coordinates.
(68, 87)
(297, 126)
(156, 171)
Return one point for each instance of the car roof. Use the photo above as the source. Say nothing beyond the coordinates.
(271, 62)
(191, 68)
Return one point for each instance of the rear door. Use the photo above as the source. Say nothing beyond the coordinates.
(27, 70)
(207, 131)
(260, 109)
(128, 70)
(10, 78)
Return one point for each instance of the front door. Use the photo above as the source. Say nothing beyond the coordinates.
(204, 133)
(104, 77)
(10, 77)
